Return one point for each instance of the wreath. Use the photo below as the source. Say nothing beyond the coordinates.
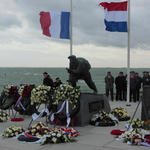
(40, 94)
(25, 107)
(8, 96)
(12, 131)
(61, 94)
(103, 118)
(121, 114)
(4, 116)
(133, 136)
(25, 90)
(136, 123)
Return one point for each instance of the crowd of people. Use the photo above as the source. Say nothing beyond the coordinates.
(120, 82)
(48, 81)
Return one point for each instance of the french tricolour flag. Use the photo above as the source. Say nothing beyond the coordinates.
(115, 16)
(55, 24)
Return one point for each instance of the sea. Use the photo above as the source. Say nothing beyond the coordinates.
(17, 76)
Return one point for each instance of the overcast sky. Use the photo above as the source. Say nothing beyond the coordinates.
(23, 45)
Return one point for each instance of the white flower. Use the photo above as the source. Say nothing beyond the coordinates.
(54, 139)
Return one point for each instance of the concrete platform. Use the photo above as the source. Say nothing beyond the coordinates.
(90, 138)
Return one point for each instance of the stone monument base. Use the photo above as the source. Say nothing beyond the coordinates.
(89, 104)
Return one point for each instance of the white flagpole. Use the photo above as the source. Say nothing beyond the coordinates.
(128, 58)
(71, 27)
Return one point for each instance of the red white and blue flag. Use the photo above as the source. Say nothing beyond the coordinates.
(55, 24)
(115, 16)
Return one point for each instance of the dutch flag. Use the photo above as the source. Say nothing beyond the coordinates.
(115, 16)
(55, 24)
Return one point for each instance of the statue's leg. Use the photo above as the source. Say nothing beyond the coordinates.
(88, 79)
(72, 80)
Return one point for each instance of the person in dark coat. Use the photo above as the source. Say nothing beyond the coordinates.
(132, 86)
(138, 85)
(79, 68)
(57, 82)
(146, 78)
(119, 81)
(109, 85)
(47, 79)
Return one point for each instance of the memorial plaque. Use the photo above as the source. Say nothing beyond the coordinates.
(89, 104)
(96, 106)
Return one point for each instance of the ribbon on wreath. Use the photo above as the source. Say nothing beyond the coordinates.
(67, 112)
(35, 116)
(19, 102)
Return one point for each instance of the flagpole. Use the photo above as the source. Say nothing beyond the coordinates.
(128, 58)
(71, 27)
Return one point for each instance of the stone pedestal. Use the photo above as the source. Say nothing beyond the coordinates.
(145, 113)
(90, 104)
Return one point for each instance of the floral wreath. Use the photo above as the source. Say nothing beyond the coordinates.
(40, 94)
(103, 118)
(25, 90)
(136, 123)
(67, 92)
(121, 114)
(10, 90)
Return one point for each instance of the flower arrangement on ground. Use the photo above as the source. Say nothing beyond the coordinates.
(136, 123)
(4, 116)
(103, 118)
(40, 94)
(134, 136)
(57, 136)
(73, 132)
(12, 131)
(67, 92)
(121, 114)
(38, 130)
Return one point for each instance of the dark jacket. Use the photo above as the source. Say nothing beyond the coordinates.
(109, 82)
(48, 81)
(132, 83)
(120, 82)
(138, 82)
(146, 80)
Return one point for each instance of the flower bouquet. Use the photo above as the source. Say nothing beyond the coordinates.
(67, 92)
(8, 97)
(133, 136)
(73, 132)
(12, 131)
(57, 136)
(25, 90)
(38, 130)
(103, 118)
(40, 95)
(4, 116)
(136, 123)
(121, 114)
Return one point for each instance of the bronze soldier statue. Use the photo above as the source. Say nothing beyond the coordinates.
(79, 68)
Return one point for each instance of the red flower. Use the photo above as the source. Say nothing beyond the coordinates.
(17, 119)
(116, 132)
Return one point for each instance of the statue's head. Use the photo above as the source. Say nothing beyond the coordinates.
(72, 58)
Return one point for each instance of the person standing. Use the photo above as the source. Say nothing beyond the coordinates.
(109, 85)
(119, 81)
(47, 79)
(57, 83)
(138, 85)
(132, 86)
(146, 78)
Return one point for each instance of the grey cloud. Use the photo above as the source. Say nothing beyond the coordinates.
(9, 20)
(88, 25)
